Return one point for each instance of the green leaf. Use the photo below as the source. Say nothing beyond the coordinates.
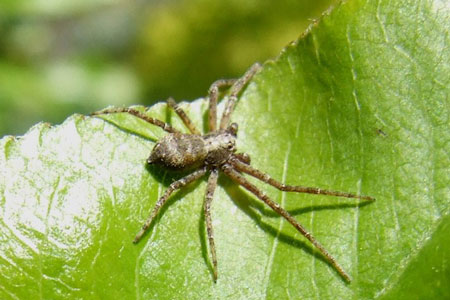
(358, 104)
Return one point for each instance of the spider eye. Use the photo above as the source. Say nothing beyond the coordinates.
(233, 129)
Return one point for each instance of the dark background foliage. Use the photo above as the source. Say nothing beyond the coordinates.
(61, 57)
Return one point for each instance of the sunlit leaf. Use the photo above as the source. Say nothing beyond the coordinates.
(358, 104)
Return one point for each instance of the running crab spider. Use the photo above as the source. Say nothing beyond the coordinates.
(216, 151)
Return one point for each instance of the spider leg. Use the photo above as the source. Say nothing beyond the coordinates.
(138, 114)
(243, 157)
(239, 165)
(235, 89)
(180, 112)
(213, 95)
(239, 179)
(212, 184)
(176, 185)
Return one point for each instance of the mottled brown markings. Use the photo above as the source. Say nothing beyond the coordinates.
(180, 112)
(238, 178)
(179, 151)
(213, 95)
(138, 114)
(216, 151)
(246, 168)
(210, 188)
(176, 185)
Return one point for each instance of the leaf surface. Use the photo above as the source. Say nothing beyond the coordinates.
(358, 104)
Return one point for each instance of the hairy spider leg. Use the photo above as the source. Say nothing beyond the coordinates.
(186, 120)
(138, 114)
(243, 157)
(232, 98)
(246, 168)
(213, 95)
(176, 185)
(210, 188)
(239, 179)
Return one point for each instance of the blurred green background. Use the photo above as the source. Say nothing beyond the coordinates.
(77, 56)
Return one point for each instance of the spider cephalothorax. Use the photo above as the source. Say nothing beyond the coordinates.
(214, 152)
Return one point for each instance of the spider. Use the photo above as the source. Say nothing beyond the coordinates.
(216, 151)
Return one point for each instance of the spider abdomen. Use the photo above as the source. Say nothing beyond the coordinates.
(179, 151)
